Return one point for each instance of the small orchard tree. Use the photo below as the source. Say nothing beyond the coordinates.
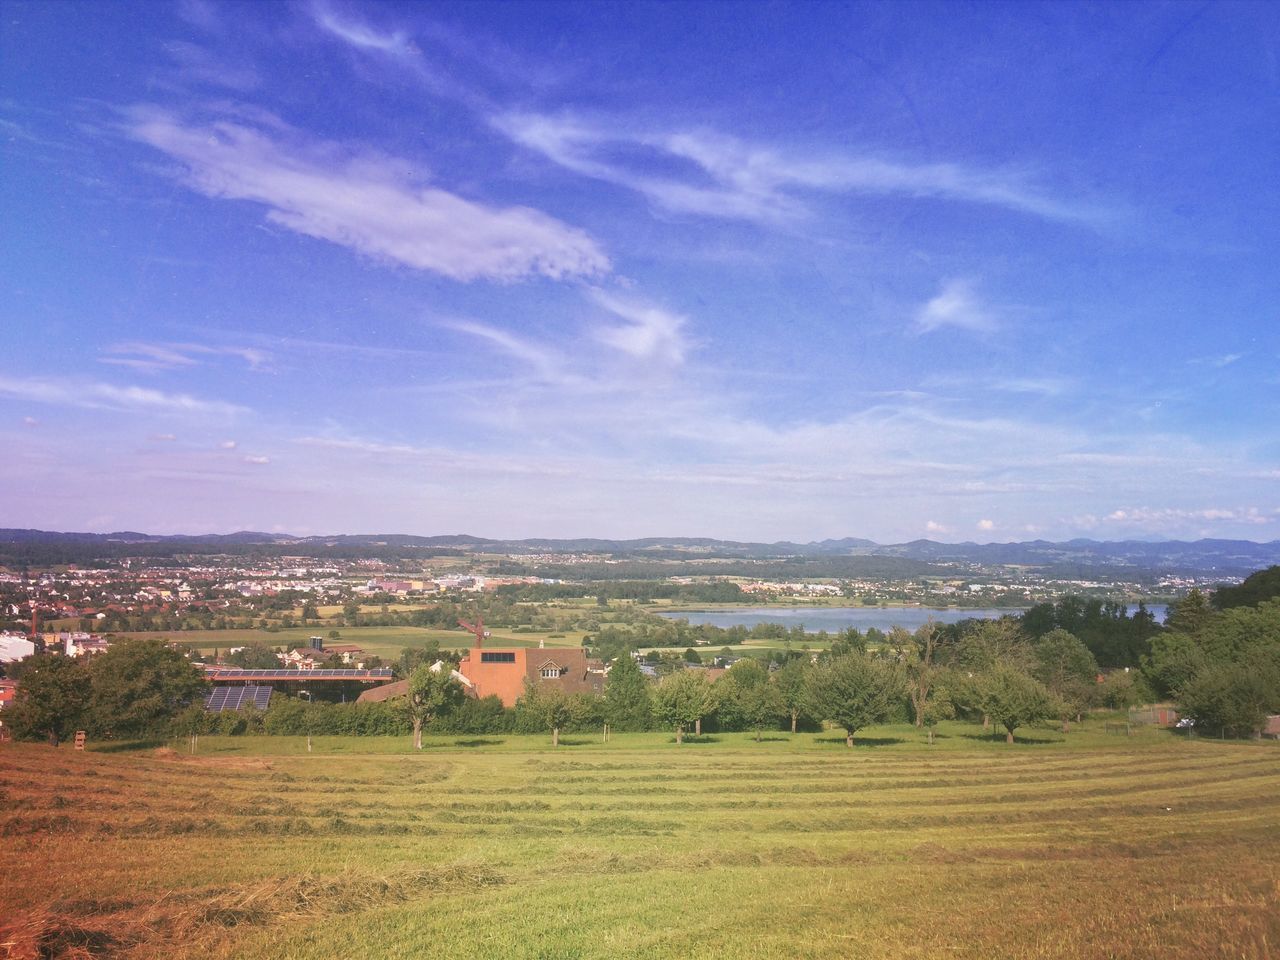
(853, 692)
(626, 696)
(556, 712)
(432, 694)
(1011, 698)
(793, 689)
(682, 699)
(922, 674)
(732, 690)
(939, 705)
(761, 706)
(52, 697)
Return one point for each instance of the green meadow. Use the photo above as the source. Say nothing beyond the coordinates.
(1074, 846)
(385, 642)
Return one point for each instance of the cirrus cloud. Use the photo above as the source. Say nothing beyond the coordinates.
(370, 203)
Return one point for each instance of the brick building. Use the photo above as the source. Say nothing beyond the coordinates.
(502, 673)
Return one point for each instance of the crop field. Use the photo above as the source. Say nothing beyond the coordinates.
(722, 848)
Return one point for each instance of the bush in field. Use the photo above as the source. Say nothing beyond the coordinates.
(52, 699)
(1119, 690)
(485, 715)
(586, 712)
(854, 692)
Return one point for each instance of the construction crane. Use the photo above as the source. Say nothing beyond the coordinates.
(477, 629)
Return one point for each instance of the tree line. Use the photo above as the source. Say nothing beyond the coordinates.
(1221, 667)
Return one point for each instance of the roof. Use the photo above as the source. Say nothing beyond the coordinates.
(385, 692)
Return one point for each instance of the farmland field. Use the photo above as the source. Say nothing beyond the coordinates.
(386, 642)
(1084, 846)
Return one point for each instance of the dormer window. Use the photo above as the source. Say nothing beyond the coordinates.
(551, 672)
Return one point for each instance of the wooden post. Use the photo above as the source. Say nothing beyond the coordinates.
(308, 743)
(79, 739)
(697, 727)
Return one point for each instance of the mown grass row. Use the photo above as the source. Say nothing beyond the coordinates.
(653, 852)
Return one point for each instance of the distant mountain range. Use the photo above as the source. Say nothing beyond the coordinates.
(1227, 557)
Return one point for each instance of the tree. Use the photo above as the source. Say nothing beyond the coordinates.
(1067, 669)
(626, 696)
(432, 694)
(138, 686)
(940, 705)
(921, 672)
(413, 657)
(1233, 698)
(682, 699)
(1257, 587)
(255, 656)
(853, 692)
(793, 689)
(761, 706)
(1012, 698)
(1174, 659)
(556, 712)
(52, 697)
(994, 641)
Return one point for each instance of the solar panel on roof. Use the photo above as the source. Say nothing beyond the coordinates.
(236, 698)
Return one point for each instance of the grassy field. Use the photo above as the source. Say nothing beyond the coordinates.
(1080, 846)
(385, 642)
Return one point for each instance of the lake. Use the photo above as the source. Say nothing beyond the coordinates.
(835, 619)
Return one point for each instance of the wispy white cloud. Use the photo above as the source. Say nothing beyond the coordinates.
(1219, 361)
(370, 203)
(545, 362)
(956, 305)
(729, 178)
(362, 35)
(986, 526)
(152, 357)
(107, 396)
(647, 332)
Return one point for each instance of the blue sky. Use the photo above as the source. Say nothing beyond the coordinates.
(756, 271)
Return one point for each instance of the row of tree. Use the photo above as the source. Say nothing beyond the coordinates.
(133, 689)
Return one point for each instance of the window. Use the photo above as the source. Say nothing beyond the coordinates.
(495, 656)
(551, 672)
